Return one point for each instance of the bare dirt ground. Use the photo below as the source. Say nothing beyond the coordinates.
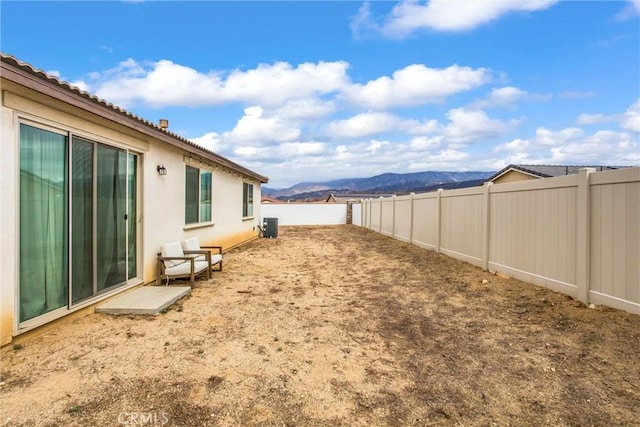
(336, 326)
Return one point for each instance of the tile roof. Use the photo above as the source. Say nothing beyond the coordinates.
(12, 69)
(548, 171)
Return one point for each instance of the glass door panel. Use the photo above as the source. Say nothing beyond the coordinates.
(81, 220)
(132, 216)
(43, 222)
(111, 233)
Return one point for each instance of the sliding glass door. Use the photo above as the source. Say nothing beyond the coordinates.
(73, 248)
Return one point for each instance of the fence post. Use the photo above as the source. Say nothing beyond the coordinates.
(583, 235)
(393, 217)
(380, 225)
(438, 219)
(363, 213)
(486, 224)
(411, 219)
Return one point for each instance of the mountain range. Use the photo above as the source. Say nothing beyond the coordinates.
(387, 183)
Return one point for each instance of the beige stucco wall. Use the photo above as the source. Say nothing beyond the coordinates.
(161, 198)
(8, 226)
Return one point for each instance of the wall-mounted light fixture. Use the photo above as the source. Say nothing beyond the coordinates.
(161, 170)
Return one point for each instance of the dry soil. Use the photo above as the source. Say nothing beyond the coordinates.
(336, 326)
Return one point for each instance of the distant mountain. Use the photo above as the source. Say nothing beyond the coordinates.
(396, 183)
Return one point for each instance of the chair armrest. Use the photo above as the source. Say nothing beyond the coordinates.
(167, 258)
(196, 252)
(207, 254)
(219, 248)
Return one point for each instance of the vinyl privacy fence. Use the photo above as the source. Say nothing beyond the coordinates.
(577, 234)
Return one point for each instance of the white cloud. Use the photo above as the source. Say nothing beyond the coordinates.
(274, 84)
(506, 97)
(543, 138)
(253, 128)
(416, 85)
(441, 15)
(467, 126)
(423, 143)
(165, 83)
(305, 109)
(631, 10)
(311, 148)
(551, 138)
(303, 92)
(516, 145)
(590, 119)
(631, 118)
(574, 146)
(374, 123)
(363, 124)
(603, 147)
(211, 141)
(285, 152)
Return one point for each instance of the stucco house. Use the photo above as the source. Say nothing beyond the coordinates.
(514, 173)
(90, 192)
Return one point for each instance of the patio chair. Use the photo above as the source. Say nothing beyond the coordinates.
(192, 246)
(174, 263)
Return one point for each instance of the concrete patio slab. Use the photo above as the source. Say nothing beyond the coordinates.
(144, 300)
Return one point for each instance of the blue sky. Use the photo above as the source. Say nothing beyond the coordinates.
(302, 91)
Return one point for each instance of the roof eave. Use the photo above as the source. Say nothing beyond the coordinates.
(514, 168)
(25, 75)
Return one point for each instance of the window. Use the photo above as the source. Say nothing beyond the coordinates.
(197, 196)
(247, 200)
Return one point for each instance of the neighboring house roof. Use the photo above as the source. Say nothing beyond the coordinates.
(267, 199)
(24, 74)
(547, 171)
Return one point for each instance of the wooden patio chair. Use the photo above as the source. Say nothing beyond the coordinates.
(192, 246)
(174, 263)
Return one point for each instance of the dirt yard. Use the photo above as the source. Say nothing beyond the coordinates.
(336, 326)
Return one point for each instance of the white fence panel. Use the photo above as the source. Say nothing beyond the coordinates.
(461, 225)
(306, 213)
(356, 214)
(426, 220)
(615, 239)
(374, 214)
(533, 233)
(387, 216)
(577, 234)
(402, 218)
